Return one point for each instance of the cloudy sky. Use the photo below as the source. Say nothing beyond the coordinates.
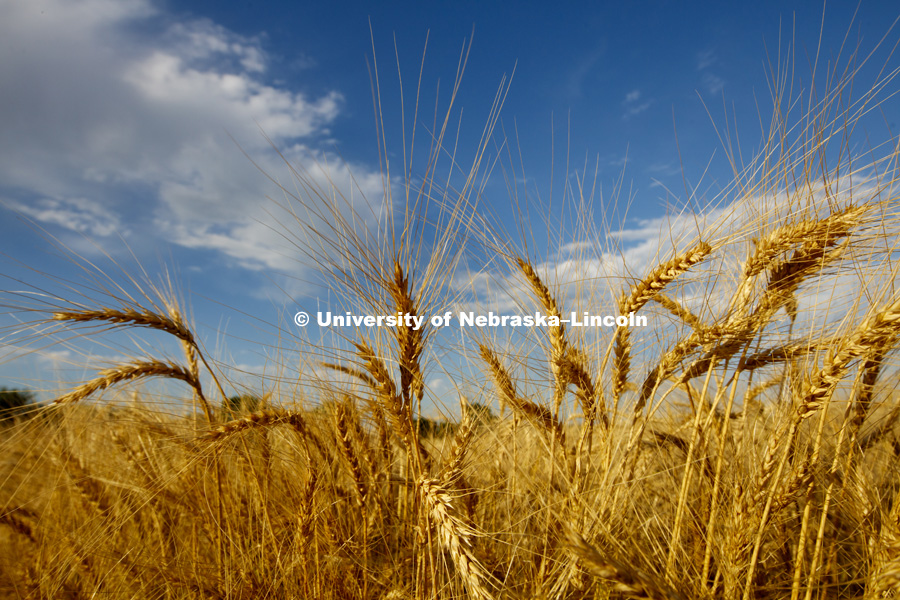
(141, 132)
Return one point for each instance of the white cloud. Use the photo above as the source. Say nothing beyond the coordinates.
(78, 214)
(109, 129)
(583, 274)
(203, 39)
(169, 87)
(591, 275)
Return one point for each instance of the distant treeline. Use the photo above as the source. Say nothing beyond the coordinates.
(14, 403)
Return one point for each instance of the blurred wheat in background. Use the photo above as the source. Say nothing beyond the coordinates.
(744, 445)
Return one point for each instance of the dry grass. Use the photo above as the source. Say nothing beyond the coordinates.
(747, 451)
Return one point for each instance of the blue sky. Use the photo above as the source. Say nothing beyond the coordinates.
(118, 123)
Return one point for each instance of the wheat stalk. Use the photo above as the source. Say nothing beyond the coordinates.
(455, 535)
(452, 469)
(357, 373)
(10, 517)
(399, 411)
(268, 418)
(641, 293)
(174, 325)
(345, 442)
(577, 372)
(531, 411)
(877, 332)
(557, 334)
(625, 579)
(678, 310)
(661, 276)
(137, 370)
(410, 342)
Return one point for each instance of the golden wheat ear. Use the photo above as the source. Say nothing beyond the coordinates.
(559, 346)
(641, 293)
(410, 342)
(171, 322)
(456, 536)
(452, 469)
(345, 442)
(269, 418)
(538, 415)
(138, 370)
(356, 373)
(399, 411)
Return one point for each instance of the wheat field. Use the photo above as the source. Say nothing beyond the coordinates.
(743, 446)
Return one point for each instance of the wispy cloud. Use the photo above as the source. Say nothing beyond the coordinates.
(709, 80)
(579, 73)
(618, 162)
(712, 83)
(706, 59)
(635, 104)
(82, 215)
(664, 169)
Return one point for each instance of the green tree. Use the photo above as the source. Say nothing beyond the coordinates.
(241, 404)
(14, 402)
(481, 413)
